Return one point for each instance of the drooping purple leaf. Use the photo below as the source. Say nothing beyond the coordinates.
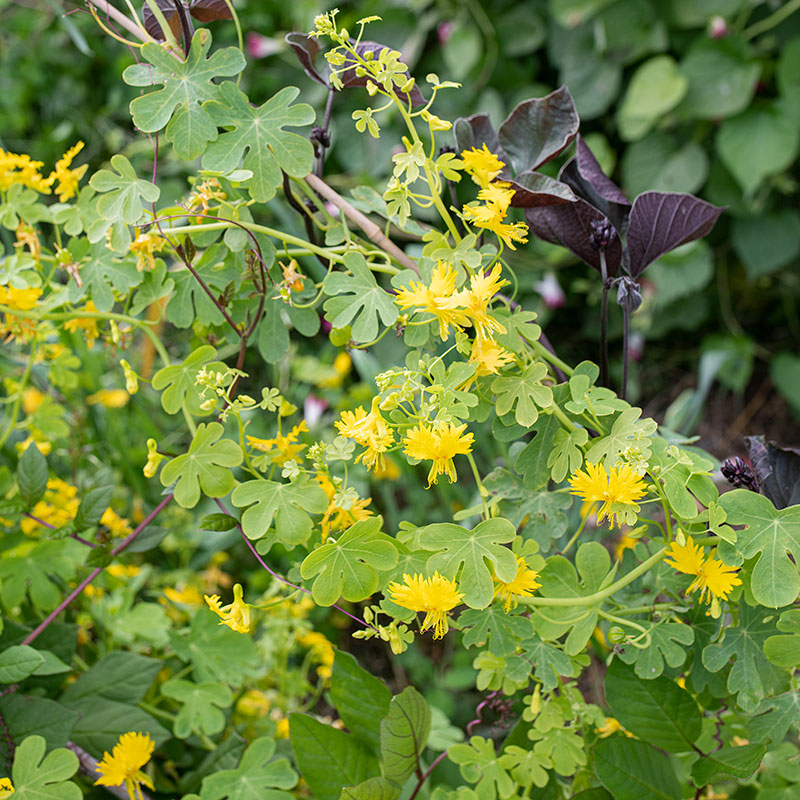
(534, 190)
(306, 48)
(777, 470)
(584, 175)
(662, 221)
(475, 131)
(210, 10)
(569, 225)
(537, 130)
(151, 24)
(351, 78)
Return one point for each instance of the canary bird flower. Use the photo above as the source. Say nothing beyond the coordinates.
(435, 596)
(617, 490)
(523, 584)
(236, 615)
(124, 765)
(439, 445)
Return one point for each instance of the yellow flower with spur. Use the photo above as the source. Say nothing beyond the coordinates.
(123, 766)
(435, 596)
(617, 490)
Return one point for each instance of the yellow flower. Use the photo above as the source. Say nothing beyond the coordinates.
(131, 378)
(489, 356)
(287, 447)
(624, 543)
(236, 615)
(110, 398)
(36, 437)
(68, 178)
(687, 558)
(154, 458)
(117, 525)
(342, 365)
(20, 299)
(292, 277)
(123, 570)
(87, 324)
(282, 728)
(497, 198)
(439, 445)
(322, 651)
(617, 490)
(482, 288)
(188, 596)
(20, 169)
(144, 246)
(124, 765)
(712, 576)
(27, 237)
(253, 703)
(438, 298)
(338, 517)
(58, 507)
(370, 431)
(610, 727)
(483, 165)
(32, 400)
(435, 596)
(6, 788)
(389, 472)
(523, 584)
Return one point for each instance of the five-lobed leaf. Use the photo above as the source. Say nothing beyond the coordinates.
(524, 391)
(177, 382)
(37, 776)
(200, 706)
(123, 192)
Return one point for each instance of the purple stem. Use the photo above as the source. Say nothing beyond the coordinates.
(67, 601)
(53, 527)
(427, 772)
(280, 577)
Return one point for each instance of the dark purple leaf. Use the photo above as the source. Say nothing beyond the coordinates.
(210, 10)
(777, 470)
(306, 48)
(584, 175)
(350, 78)
(537, 130)
(151, 24)
(570, 225)
(534, 190)
(662, 221)
(474, 132)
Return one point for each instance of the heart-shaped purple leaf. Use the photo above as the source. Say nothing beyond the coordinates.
(569, 225)
(152, 25)
(534, 190)
(350, 78)
(777, 470)
(210, 10)
(584, 175)
(306, 48)
(662, 221)
(474, 132)
(537, 130)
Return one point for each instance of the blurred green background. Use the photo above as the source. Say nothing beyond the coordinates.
(698, 96)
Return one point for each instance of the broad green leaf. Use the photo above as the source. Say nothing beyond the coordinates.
(350, 566)
(18, 662)
(772, 533)
(657, 710)
(123, 192)
(259, 131)
(32, 475)
(177, 381)
(404, 734)
(372, 789)
(273, 334)
(218, 522)
(93, 505)
(633, 770)
(729, 762)
(186, 84)
(524, 391)
(258, 776)
(357, 300)
(327, 758)
(101, 722)
(627, 431)
(361, 700)
(752, 677)
(494, 628)
(284, 506)
(200, 706)
(25, 716)
(480, 765)
(102, 274)
(206, 467)
(776, 717)
(531, 463)
(667, 643)
(784, 651)
(39, 777)
(473, 555)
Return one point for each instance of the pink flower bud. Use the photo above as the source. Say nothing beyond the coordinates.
(717, 27)
(550, 290)
(313, 409)
(444, 31)
(259, 46)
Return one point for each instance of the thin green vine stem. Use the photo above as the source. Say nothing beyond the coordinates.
(597, 597)
(14, 415)
(568, 545)
(481, 488)
(544, 353)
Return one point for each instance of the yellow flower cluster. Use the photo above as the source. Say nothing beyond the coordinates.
(712, 576)
(109, 398)
(58, 507)
(435, 596)
(144, 247)
(617, 490)
(438, 444)
(338, 517)
(86, 324)
(523, 584)
(124, 765)
(19, 169)
(19, 300)
(235, 615)
(484, 167)
(321, 650)
(282, 447)
(370, 431)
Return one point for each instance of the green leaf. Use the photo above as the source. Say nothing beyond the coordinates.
(18, 662)
(372, 789)
(24, 716)
(472, 555)
(92, 507)
(656, 88)
(123, 193)
(103, 274)
(101, 722)
(550, 663)
(531, 463)
(286, 506)
(772, 533)
(404, 734)
(186, 84)
(667, 643)
(360, 302)
(259, 130)
(177, 381)
(218, 523)
(361, 699)
(479, 764)
(752, 677)
(628, 430)
(200, 706)
(760, 142)
(206, 467)
(766, 242)
(32, 475)
(563, 747)
(527, 767)
(657, 710)
(39, 777)
(350, 566)
(499, 632)
(567, 455)
(273, 334)
(524, 391)
(257, 777)
(729, 762)
(633, 770)
(155, 285)
(327, 758)
(784, 651)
